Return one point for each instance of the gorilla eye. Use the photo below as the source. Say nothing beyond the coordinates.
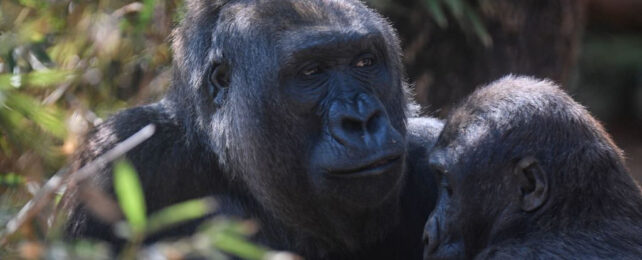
(363, 62)
(311, 70)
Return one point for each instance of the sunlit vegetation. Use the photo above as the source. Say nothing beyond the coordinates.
(64, 66)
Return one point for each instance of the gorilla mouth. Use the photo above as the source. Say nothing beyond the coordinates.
(371, 168)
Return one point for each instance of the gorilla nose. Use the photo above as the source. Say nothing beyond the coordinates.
(363, 122)
(353, 123)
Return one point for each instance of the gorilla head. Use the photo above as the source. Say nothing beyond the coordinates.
(303, 102)
(525, 169)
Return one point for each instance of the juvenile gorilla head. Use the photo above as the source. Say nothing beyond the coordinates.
(302, 101)
(519, 160)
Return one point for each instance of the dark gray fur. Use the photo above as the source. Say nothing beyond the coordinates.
(593, 209)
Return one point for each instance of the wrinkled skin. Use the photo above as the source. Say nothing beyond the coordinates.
(527, 173)
(292, 113)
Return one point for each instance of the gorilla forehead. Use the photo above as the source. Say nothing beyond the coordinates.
(279, 15)
(501, 113)
(482, 123)
(289, 24)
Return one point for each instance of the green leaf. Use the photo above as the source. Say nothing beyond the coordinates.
(45, 78)
(456, 7)
(49, 119)
(5, 81)
(236, 245)
(11, 179)
(435, 9)
(478, 26)
(41, 78)
(184, 211)
(34, 3)
(146, 13)
(130, 195)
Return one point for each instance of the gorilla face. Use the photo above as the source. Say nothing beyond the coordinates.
(356, 151)
(481, 189)
(306, 105)
(478, 188)
(443, 231)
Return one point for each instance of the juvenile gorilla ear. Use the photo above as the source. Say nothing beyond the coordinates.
(533, 183)
(219, 82)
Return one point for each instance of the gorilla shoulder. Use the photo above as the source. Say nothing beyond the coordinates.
(421, 186)
(424, 131)
(124, 124)
(165, 163)
(422, 136)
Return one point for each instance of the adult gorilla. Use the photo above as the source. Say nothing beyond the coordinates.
(292, 113)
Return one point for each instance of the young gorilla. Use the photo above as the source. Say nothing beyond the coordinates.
(292, 113)
(525, 172)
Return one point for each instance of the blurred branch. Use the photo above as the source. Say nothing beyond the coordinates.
(56, 182)
(119, 150)
(130, 8)
(56, 94)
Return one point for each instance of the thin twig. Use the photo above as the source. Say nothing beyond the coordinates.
(56, 94)
(45, 194)
(113, 154)
(130, 8)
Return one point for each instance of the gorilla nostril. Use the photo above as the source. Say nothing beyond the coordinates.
(374, 122)
(351, 125)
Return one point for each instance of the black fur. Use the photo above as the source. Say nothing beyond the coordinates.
(292, 113)
(527, 173)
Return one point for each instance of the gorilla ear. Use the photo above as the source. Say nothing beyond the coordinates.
(219, 82)
(533, 183)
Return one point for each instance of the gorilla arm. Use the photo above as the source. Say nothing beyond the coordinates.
(167, 165)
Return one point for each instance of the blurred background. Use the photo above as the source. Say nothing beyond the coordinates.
(67, 64)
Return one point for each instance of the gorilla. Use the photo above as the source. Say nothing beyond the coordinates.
(525, 172)
(291, 113)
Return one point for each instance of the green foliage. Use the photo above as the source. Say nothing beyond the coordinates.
(11, 179)
(437, 12)
(223, 234)
(228, 237)
(130, 196)
(64, 65)
(181, 212)
(462, 11)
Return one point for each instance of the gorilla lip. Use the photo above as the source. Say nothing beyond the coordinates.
(375, 167)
